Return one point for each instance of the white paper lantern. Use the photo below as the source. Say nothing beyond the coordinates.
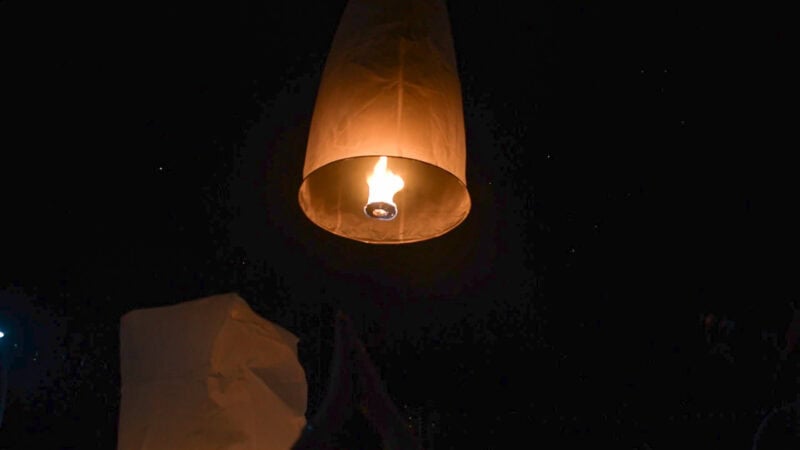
(390, 89)
(208, 374)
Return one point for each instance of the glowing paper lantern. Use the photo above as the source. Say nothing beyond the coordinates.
(386, 154)
(209, 374)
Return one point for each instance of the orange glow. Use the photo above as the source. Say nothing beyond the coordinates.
(383, 184)
(388, 93)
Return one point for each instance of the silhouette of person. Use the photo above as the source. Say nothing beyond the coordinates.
(354, 375)
(792, 331)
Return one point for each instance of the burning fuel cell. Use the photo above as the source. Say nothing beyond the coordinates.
(383, 184)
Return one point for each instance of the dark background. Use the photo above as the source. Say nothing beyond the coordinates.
(629, 170)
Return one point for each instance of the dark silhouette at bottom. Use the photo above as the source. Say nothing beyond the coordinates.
(355, 384)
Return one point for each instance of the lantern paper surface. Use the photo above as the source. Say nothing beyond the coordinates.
(390, 88)
(209, 374)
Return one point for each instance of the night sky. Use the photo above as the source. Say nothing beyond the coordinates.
(629, 170)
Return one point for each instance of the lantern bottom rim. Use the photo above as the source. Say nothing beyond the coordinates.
(432, 202)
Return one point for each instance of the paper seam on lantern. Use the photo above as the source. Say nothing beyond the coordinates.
(400, 68)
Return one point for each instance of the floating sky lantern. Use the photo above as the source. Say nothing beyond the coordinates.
(386, 155)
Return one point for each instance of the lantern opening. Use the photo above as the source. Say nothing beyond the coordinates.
(383, 184)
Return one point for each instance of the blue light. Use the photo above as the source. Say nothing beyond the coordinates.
(2, 335)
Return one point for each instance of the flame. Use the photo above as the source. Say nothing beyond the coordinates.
(383, 184)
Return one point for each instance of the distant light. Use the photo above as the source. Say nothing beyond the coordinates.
(2, 335)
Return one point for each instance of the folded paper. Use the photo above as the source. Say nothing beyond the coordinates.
(209, 374)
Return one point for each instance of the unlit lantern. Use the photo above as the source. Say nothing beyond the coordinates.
(386, 155)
